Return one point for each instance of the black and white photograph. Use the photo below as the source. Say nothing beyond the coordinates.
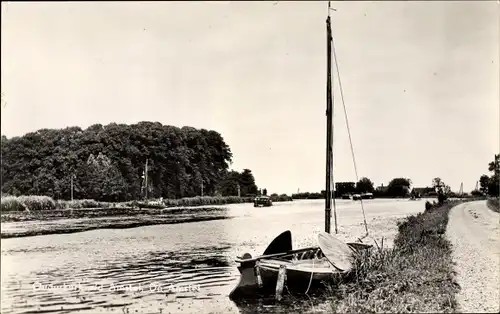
(250, 157)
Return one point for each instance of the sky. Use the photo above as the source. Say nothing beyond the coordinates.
(420, 81)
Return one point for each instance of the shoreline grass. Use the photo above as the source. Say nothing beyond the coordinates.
(494, 204)
(416, 275)
(45, 203)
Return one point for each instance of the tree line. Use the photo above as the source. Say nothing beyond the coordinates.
(398, 187)
(107, 163)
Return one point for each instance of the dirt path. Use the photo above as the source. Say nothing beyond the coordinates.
(474, 231)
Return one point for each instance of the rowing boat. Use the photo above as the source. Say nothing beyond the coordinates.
(298, 270)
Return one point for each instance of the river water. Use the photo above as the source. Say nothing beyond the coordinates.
(187, 267)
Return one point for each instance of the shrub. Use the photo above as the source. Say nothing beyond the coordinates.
(29, 202)
(442, 198)
(428, 205)
(476, 193)
(494, 204)
(11, 203)
(280, 198)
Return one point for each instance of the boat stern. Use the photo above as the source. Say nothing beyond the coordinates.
(250, 280)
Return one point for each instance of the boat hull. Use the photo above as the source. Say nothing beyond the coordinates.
(305, 271)
(261, 277)
(298, 278)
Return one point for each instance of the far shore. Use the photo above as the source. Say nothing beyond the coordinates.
(25, 224)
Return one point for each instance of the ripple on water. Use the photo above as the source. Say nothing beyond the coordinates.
(197, 274)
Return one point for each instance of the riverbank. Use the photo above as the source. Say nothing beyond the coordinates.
(415, 275)
(44, 203)
(24, 224)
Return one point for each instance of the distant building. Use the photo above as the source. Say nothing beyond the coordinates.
(427, 191)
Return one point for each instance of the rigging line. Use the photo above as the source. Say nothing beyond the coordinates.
(348, 129)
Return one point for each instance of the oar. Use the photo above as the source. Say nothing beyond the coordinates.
(254, 259)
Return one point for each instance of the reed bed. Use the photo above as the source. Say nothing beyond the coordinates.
(37, 203)
(29, 202)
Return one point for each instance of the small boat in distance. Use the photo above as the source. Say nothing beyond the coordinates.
(262, 200)
(367, 195)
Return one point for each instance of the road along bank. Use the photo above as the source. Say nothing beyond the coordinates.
(474, 232)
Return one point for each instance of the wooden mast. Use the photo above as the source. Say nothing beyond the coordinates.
(329, 133)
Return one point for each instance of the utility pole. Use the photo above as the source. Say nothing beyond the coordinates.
(146, 180)
(239, 192)
(201, 187)
(72, 176)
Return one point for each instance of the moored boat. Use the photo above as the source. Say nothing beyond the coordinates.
(262, 200)
(300, 270)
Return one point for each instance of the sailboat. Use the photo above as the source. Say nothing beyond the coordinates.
(306, 268)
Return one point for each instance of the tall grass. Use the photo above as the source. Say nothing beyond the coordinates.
(87, 203)
(207, 200)
(34, 202)
(37, 203)
(30, 202)
(416, 275)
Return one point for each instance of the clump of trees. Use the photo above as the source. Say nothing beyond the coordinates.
(397, 187)
(489, 185)
(364, 185)
(442, 190)
(107, 163)
(234, 180)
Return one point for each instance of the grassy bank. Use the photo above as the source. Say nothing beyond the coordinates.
(494, 204)
(44, 203)
(416, 275)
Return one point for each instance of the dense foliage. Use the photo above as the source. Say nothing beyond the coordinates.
(107, 163)
(342, 188)
(308, 196)
(490, 184)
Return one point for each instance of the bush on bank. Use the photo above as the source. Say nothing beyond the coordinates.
(494, 204)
